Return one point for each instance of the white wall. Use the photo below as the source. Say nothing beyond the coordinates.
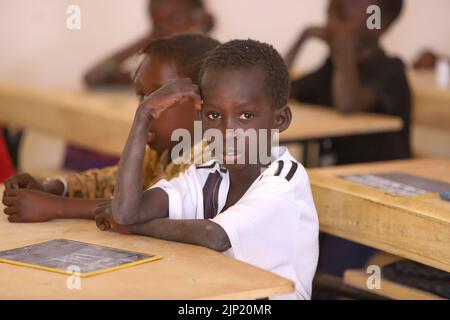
(37, 49)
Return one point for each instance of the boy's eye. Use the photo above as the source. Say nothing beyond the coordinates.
(214, 115)
(246, 115)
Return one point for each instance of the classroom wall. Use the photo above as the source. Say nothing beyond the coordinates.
(38, 49)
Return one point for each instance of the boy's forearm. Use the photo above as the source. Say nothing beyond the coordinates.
(198, 232)
(128, 192)
(293, 51)
(70, 208)
(349, 95)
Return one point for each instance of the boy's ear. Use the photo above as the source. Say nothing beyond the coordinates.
(283, 118)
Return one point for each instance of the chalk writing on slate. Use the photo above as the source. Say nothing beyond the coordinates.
(400, 183)
(60, 254)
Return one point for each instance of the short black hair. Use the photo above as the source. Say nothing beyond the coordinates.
(196, 4)
(241, 54)
(390, 10)
(187, 51)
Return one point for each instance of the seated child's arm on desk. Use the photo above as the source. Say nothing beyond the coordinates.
(130, 204)
(29, 205)
(198, 232)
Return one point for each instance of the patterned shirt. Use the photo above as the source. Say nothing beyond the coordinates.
(99, 183)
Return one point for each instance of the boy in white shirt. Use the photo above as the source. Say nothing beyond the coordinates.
(258, 212)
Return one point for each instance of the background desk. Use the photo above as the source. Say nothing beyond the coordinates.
(101, 120)
(185, 272)
(431, 115)
(416, 228)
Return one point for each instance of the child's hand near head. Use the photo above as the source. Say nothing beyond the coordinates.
(174, 92)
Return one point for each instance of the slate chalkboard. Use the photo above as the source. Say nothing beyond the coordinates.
(65, 256)
(400, 183)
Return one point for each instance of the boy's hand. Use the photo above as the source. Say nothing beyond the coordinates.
(318, 32)
(173, 92)
(22, 180)
(343, 45)
(105, 221)
(25, 205)
(27, 181)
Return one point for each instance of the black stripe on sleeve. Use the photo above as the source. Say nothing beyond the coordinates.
(292, 171)
(207, 167)
(280, 168)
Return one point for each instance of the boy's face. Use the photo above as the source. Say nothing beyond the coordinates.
(236, 99)
(170, 17)
(153, 73)
(348, 16)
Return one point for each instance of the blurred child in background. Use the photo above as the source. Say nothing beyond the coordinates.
(167, 18)
(358, 76)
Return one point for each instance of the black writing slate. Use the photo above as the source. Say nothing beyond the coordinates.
(68, 256)
(400, 183)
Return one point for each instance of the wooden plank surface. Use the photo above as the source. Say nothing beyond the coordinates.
(416, 228)
(393, 290)
(97, 120)
(101, 120)
(358, 279)
(185, 272)
(430, 116)
(315, 122)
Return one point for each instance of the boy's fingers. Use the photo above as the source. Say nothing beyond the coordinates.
(191, 94)
(99, 219)
(101, 226)
(9, 201)
(23, 179)
(100, 209)
(11, 193)
(15, 218)
(105, 202)
(10, 211)
(11, 183)
(101, 222)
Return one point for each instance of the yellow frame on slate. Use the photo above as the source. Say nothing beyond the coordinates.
(83, 275)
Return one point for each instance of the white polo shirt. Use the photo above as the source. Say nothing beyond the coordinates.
(274, 226)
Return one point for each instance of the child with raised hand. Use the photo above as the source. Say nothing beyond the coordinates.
(167, 18)
(257, 211)
(77, 195)
(358, 76)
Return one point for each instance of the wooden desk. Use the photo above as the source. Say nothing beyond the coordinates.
(97, 120)
(101, 120)
(430, 116)
(312, 122)
(185, 272)
(416, 228)
(358, 278)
